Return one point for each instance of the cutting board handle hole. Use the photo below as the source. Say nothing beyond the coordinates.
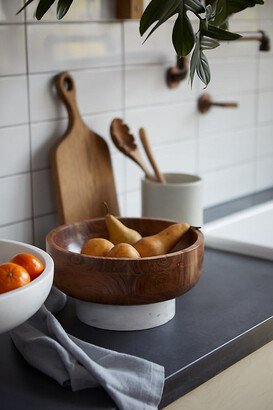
(68, 84)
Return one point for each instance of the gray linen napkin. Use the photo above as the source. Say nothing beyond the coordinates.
(132, 383)
(56, 300)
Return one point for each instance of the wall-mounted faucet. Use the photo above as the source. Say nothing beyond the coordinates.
(205, 103)
(260, 36)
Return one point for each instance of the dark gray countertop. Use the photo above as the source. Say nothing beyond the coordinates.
(225, 317)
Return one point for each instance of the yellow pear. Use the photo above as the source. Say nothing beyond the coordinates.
(162, 242)
(119, 233)
(96, 247)
(123, 250)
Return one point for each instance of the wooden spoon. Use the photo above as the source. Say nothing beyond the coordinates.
(147, 147)
(125, 142)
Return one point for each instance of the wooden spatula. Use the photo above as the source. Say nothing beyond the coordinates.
(81, 165)
(125, 142)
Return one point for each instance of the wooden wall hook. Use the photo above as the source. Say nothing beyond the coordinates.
(205, 103)
(177, 73)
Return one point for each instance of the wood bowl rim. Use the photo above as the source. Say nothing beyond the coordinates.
(49, 240)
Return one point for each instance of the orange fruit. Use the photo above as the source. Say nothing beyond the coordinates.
(32, 264)
(12, 276)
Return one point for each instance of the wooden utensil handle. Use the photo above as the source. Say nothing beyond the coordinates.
(148, 150)
(66, 89)
(225, 104)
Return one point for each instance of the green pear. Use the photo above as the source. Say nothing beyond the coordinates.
(119, 233)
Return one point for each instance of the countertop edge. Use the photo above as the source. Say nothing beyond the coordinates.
(213, 363)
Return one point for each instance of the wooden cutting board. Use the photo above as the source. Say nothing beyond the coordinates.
(81, 165)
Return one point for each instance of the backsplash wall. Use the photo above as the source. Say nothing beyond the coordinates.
(118, 76)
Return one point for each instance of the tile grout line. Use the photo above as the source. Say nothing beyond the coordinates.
(206, 133)
(198, 135)
(16, 222)
(29, 127)
(115, 66)
(256, 126)
(123, 110)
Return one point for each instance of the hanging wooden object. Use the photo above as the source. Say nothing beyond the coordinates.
(81, 165)
(129, 9)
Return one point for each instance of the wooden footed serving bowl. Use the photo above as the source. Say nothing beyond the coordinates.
(119, 281)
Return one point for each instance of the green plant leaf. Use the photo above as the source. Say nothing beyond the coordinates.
(24, 6)
(195, 58)
(219, 34)
(234, 6)
(199, 63)
(220, 12)
(194, 5)
(224, 25)
(63, 7)
(157, 10)
(211, 11)
(183, 35)
(43, 7)
(225, 8)
(209, 43)
(202, 69)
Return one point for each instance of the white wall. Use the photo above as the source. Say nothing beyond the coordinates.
(118, 76)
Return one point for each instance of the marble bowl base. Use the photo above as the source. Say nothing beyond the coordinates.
(132, 317)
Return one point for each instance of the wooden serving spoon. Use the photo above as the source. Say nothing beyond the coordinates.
(125, 142)
(147, 147)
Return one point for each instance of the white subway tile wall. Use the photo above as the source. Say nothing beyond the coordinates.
(117, 75)
(12, 44)
(8, 11)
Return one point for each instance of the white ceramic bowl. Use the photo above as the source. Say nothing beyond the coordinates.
(20, 304)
